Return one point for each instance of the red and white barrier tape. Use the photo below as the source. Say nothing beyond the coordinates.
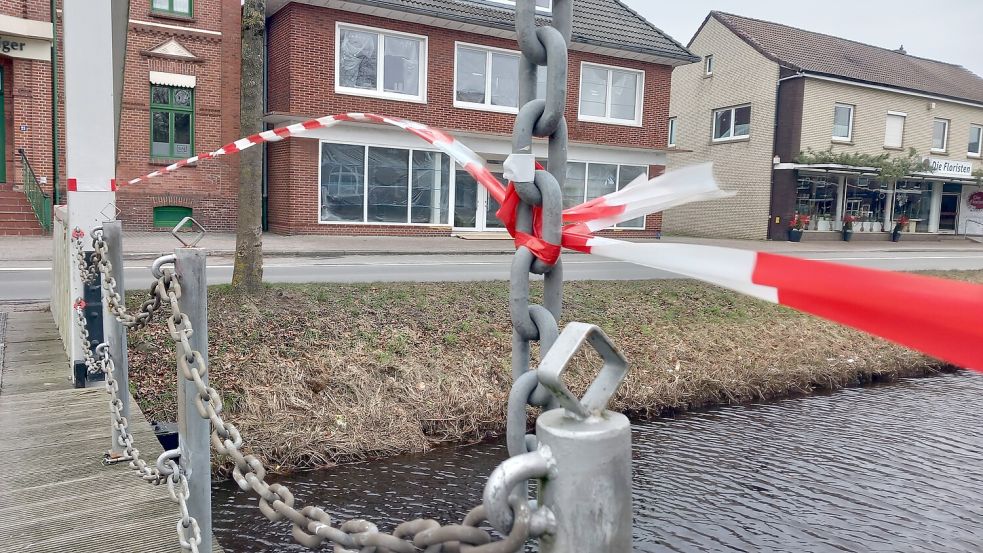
(939, 317)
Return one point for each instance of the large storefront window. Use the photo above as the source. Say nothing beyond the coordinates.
(866, 199)
(586, 181)
(913, 199)
(816, 197)
(366, 184)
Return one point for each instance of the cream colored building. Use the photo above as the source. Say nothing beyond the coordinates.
(766, 92)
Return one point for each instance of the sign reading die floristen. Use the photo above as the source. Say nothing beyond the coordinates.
(946, 167)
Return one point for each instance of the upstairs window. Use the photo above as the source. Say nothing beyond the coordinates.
(672, 131)
(843, 122)
(732, 123)
(975, 140)
(488, 79)
(708, 65)
(611, 94)
(894, 129)
(384, 64)
(172, 7)
(172, 113)
(541, 5)
(940, 135)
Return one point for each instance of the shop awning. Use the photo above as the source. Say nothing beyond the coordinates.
(172, 79)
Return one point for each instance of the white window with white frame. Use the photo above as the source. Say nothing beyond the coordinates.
(975, 148)
(541, 5)
(611, 94)
(708, 65)
(733, 123)
(843, 122)
(380, 63)
(940, 135)
(894, 129)
(586, 181)
(382, 185)
(487, 78)
(672, 132)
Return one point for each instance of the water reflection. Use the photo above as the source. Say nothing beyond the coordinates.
(893, 468)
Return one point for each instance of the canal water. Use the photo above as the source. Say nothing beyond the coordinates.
(887, 468)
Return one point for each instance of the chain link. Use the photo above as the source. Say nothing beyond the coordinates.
(114, 300)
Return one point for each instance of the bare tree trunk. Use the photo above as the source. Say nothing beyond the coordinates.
(247, 276)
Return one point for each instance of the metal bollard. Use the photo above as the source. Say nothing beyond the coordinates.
(112, 234)
(193, 430)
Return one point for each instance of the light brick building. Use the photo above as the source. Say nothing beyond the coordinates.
(766, 92)
(181, 96)
(451, 64)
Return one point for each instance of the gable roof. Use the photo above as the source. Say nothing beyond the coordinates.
(811, 52)
(603, 23)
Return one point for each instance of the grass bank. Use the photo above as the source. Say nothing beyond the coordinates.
(325, 373)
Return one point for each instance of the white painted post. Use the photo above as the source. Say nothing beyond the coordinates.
(93, 74)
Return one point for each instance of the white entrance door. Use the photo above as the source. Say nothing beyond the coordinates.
(474, 209)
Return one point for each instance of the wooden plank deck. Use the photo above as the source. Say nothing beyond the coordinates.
(55, 493)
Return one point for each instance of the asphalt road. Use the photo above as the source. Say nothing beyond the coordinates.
(24, 281)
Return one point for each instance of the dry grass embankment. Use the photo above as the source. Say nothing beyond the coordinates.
(325, 373)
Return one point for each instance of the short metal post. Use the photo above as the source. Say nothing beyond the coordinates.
(112, 234)
(193, 430)
(589, 489)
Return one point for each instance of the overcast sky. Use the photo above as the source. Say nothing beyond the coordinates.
(945, 30)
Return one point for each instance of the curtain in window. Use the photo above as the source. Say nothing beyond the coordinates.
(470, 75)
(594, 92)
(342, 182)
(624, 95)
(357, 59)
(505, 80)
(389, 174)
(430, 188)
(401, 71)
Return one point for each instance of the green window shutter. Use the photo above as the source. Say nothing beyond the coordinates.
(168, 216)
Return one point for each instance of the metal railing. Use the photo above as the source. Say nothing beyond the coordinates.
(40, 202)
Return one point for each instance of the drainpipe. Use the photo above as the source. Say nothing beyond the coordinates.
(266, 158)
(54, 106)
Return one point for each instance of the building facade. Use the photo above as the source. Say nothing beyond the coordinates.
(452, 65)
(181, 95)
(833, 96)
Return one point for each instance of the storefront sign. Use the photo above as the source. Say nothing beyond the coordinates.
(976, 201)
(23, 47)
(951, 168)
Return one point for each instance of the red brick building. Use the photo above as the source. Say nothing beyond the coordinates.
(451, 64)
(181, 96)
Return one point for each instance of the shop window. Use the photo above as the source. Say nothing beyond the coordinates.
(168, 216)
(172, 117)
(940, 135)
(975, 140)
(385, 64)
(611, 94)
(843, 122)
(816, 196)
(894, 129)
(913, 199)
(866, 199)
(586, 181)
(172, 7)
(732, 123)
(367, 184)
(708, 65)
(672, 132)
(488, 79)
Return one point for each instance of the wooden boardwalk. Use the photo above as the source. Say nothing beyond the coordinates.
(55, 493)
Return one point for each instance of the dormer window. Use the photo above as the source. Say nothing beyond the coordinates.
(541, 5)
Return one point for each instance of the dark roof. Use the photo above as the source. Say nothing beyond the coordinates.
(811, 52)
(607, 23)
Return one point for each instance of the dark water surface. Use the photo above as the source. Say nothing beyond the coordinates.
(891, 468)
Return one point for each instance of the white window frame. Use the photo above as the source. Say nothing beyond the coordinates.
(487, 106)
(420, 98)
(512, 3)
(945, 136)
(849, 129)
(365, 186)
(617, 180)
(904, 121)
(671, 135)
(708, 65)
(607, 120)
(979, 152)
(733, 124)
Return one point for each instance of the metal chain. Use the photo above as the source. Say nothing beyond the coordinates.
(313, 525)
(92, 367)
(87, 271)
(114, 301)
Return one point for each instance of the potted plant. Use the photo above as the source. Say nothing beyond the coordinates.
(899, 227)
(795, 227)
(848, 221)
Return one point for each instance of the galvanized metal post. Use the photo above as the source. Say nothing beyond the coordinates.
(193, 430)
(112, 234)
